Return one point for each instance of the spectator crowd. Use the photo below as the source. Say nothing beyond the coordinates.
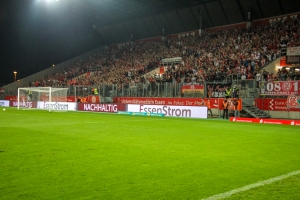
(212, 56)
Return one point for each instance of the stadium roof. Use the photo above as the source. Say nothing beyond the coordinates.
(37, 34)
(117, 20)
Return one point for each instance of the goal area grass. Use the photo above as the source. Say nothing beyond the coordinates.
(84, 155)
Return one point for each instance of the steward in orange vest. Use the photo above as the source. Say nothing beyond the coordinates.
(236, 110)
(225, 106)
(207, 103)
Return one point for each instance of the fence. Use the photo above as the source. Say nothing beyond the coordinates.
(247, 89)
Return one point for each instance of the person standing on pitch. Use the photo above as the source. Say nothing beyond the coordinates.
(207, 103)
(225, 111)
(236, 104)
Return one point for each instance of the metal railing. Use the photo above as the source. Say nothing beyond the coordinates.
(247, 89)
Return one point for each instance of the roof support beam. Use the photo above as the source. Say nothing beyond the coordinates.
(198, 23)
(226, 18)
(259, 8)
(147, 27)
(126, 31)
(181, 21)
(157, 24)
(280, 6)
(241, 9)
(117, 32)
(136, 34)
(211, 22)
(169, 23)
(108, 37)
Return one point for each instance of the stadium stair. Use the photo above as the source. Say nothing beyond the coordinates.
(253, 111)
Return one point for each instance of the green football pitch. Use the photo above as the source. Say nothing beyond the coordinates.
(83, 155)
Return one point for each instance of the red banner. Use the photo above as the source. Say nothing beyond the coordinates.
(281, 88)
(283, 62)
(192, 88)
(266, 121)
(283, 104)
(93, 99)
(162, 70)
(215, 103)
(160, 101)
(71, 99)
(11, 98)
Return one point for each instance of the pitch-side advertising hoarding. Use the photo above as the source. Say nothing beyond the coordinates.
(171, 111)
(4, 103)
(101, 107)
(57, 105)
(290, 122)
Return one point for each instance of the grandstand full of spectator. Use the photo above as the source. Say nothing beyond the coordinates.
(213, 56)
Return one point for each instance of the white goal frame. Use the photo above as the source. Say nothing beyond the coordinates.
(40, 89)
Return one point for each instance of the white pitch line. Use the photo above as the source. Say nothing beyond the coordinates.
(251, 186)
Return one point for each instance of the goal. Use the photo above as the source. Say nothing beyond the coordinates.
(41, 97)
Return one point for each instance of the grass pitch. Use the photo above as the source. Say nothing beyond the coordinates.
(81, 155)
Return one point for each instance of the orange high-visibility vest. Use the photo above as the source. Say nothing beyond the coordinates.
(225, 104)
(207, 104)
(235, 104)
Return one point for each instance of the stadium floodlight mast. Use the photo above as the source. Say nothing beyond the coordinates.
(41, 96)
(15, 75)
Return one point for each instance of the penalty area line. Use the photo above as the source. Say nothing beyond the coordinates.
(251, 186)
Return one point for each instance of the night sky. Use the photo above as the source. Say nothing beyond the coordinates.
(34, 35)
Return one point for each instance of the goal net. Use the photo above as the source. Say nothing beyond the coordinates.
(41, 97)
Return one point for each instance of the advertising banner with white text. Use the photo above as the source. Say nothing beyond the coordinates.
(266, 121)
(23, 104)
(280, 88)
(166, 101)
(101, 107)
(63, 106)
(291, 103)
(171, 111)
(4, 103)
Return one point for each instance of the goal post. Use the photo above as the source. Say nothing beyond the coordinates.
(32, 97)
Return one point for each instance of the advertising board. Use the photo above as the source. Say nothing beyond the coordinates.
(23, 104)
(170, 111)
(279, 104)
(4, 103)
(164, 101)
(63, 106)
(69, 98)
(293, 60)
(101, 107)
(215, 103)
(293, 51)
(266, 121)
(195, 88)
(217, 90)
(280, 88)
